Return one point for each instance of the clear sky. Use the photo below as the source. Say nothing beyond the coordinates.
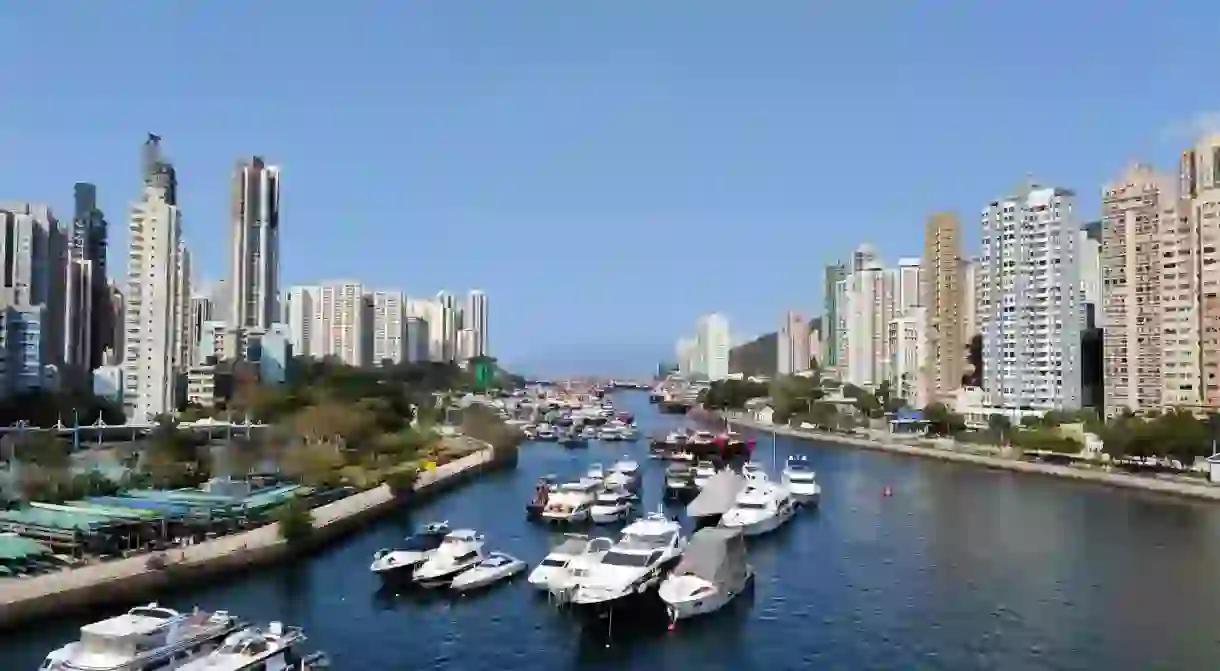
(605, 170)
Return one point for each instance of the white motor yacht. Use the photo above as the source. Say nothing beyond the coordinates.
(255, 649)
(609, 433)
(144, 638)
(460, 550)
(712, 571)
(545, 432)
(498, 566)
(562, 581)
(553, 565)
(571, 501)
(702, 438)
(625, 474)
(612, 505)
(631, 568)
(414, 551)
(761, 507)
(704, 470)
(801, 481)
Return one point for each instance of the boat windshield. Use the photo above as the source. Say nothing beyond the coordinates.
(638, 541)
(610, 499)
(801, 476)
(752, 505)
(553, 562)
(421, 543)
(627, 559)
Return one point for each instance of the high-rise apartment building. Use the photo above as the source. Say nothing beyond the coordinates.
(792, 345)
(907, 283)
(970, 303)
(1133, 208)
(343, 325)
(201, 313)
(907, 349)
(713, 343)
(448, 320)
(869, 294)
(255, 245)
(389, 327)
(686, 353)
(33, 249)
(88, 242)
(416, 337)
(1029, 300)
(303, 306)
(78, 317)
(1090, 273)
(157, 284)
(943, 301)
(474, 317)
(1200, 192)
(832, 316)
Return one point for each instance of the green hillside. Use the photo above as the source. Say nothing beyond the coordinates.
(760, 355)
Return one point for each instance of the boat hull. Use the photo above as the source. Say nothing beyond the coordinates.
(444, 578)
(467, 582)
(568, 518)
(399, 571)
(808, 498)
(688, 608)
(762, 526)
(632, 606)
(609, 515)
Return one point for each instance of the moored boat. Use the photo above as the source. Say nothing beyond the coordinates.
(631, 570)
(761, 507)
(416, 549)
(801, 480)
(257, 649)
(146, 637)
(460, 550)
(712, 571)
(497, 567)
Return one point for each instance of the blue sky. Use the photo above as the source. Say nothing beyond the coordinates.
(558, 154)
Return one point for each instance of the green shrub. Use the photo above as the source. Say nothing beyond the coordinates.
(295, 520)
(402, 481)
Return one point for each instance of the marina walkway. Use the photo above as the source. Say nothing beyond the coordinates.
(1174, 487)
(226, 549)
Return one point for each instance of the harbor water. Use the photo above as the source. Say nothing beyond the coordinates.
(959, 568)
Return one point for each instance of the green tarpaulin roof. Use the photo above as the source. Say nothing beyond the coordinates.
(15, 547)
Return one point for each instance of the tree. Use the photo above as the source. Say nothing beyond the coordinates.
(45, 449)
(315, 464)
(941, 421)
(295, 520)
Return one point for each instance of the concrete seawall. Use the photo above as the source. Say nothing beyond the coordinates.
(129, 580)
(1149, 484)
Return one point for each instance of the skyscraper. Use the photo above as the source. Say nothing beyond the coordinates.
(302, 315)
(344, 329)
(792, 345)
(869, 307)
(33, 249)
(255, 245)
(201, 313)
(158, 283)
(389, 327)
(944, 313)
(835, 274)
(1200, 191)
(474, 318)
(712, 346)
(88, 242)
(1029, 300)
(448, 324)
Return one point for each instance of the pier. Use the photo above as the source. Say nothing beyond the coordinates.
(134, 578)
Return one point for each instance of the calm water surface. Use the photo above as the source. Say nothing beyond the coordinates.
(961, 568)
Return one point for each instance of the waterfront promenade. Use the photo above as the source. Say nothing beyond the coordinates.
(131, 578)
(1172, 487)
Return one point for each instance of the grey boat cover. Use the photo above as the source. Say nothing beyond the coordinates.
(718, 556)
(718, 494)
